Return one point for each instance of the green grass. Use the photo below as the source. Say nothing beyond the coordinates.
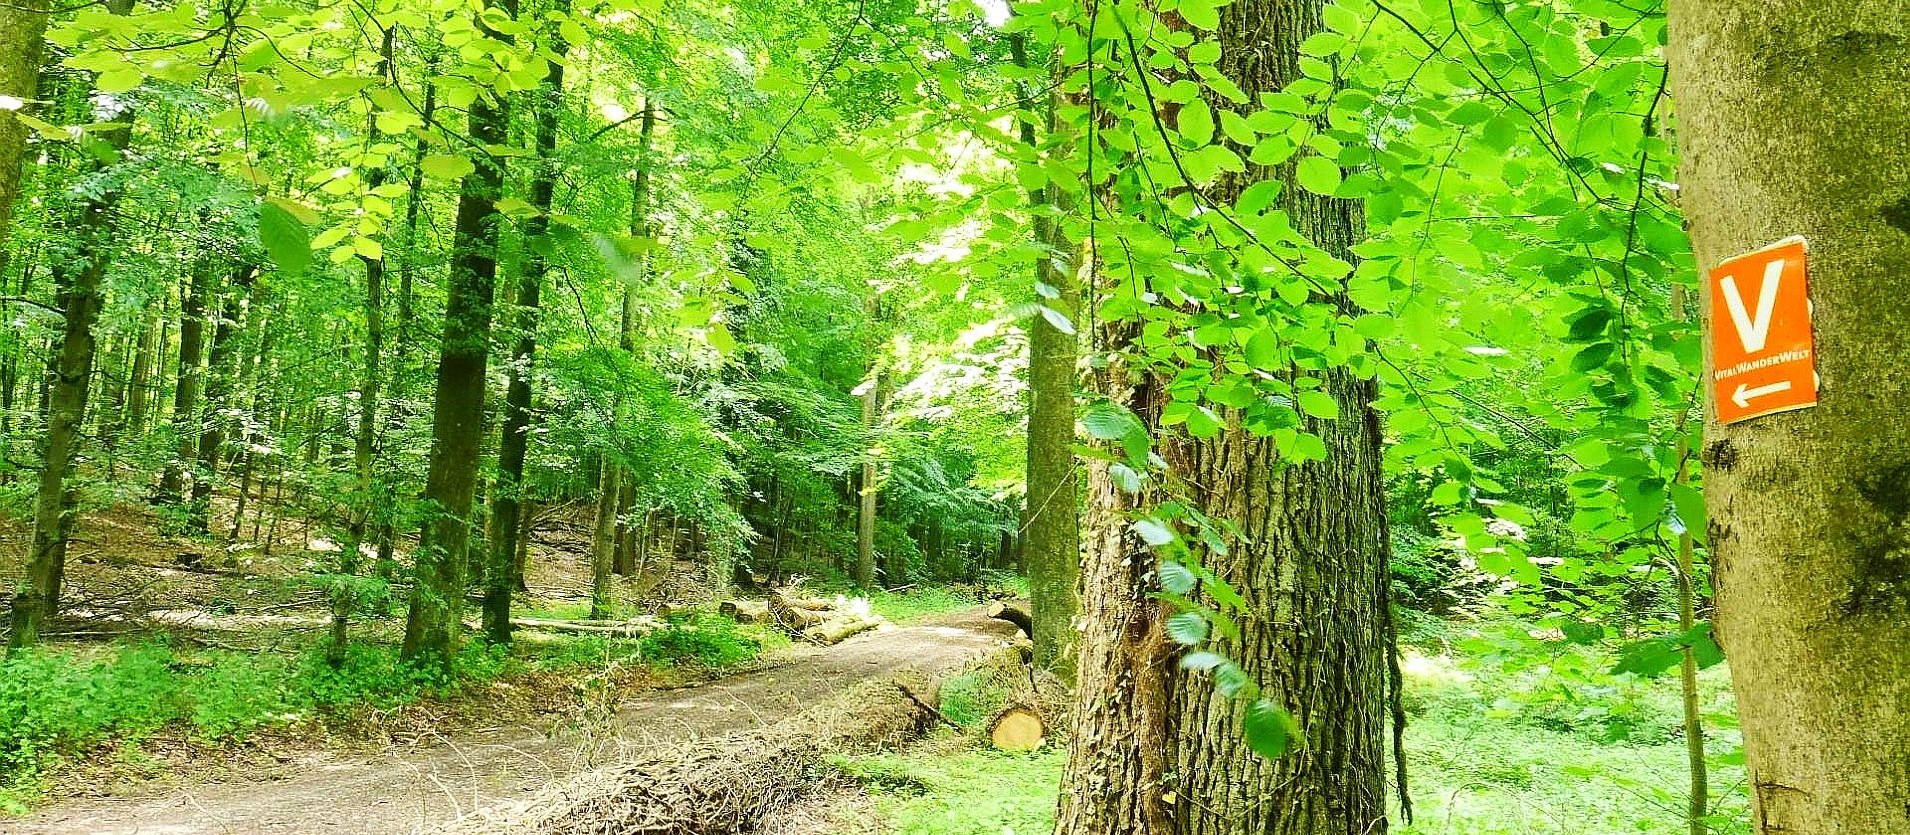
(1508, 736)
(975, 792)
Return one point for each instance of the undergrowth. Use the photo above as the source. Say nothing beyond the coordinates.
(932, 601)
(56, 703)
(974, 792)
(1509, 735)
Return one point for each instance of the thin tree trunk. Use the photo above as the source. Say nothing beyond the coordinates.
(220, 369)
(1050, 520)
(185, 397)
(1791, 121)
(80, 298)
(432, 624)
(603, 542)
(365, 440)
(866, 492)
(137, 394)
(1698, 800)
(501, 576)
(414, 207)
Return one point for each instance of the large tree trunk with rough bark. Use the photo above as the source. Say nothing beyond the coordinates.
(1159, 751)
(1792, 121)
(457, 420)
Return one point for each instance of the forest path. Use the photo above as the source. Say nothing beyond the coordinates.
(416, 788)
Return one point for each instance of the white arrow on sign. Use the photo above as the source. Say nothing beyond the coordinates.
(1744, 395)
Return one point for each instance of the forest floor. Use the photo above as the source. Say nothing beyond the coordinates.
(1511, 733)
(412, 788)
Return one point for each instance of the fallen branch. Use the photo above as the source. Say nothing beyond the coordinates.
(621, 629)
(724, 785)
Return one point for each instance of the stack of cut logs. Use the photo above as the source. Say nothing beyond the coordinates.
(814, 619)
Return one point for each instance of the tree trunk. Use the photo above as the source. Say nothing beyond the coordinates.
(220, 369)
(141, 380)
(1798, 129)
(185, 396)
(1310, 562)
(1050, 520)
(867, 491)
(79, 294)
(641, 226)
(603, 542)
(21, 28)
(500, 576)
(457, 420)
(415, 205)
(1117, 771)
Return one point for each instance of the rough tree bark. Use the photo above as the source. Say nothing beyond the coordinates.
(1157, 751)
(1798, 129)
(500, 571)
(432, 624)
(1050, 523)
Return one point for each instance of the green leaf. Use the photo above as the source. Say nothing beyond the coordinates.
(1201, 661)
(1196, 123)
(1268, 726)
(119, 80)
(1263, 350)
(1202, 14)
(1176, 578)
(1318, 175)
(1323, 44)
(1187, 628)
(1318, 403)
(446, 166)
(1057, 319)
(284, 238)
(1231, 682)
(1154, 532)
(1110, 422)
(1582, 632)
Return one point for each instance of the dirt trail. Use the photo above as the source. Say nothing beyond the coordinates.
(420, 787)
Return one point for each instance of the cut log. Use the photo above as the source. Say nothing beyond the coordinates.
(744, 611)
(791, 618)
(836, 631)
(1017, 728)
(813, 604)
(1002, 610)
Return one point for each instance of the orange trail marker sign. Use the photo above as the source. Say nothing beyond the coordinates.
(1763, 356)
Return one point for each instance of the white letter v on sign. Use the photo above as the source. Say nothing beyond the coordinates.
(1753, 333)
